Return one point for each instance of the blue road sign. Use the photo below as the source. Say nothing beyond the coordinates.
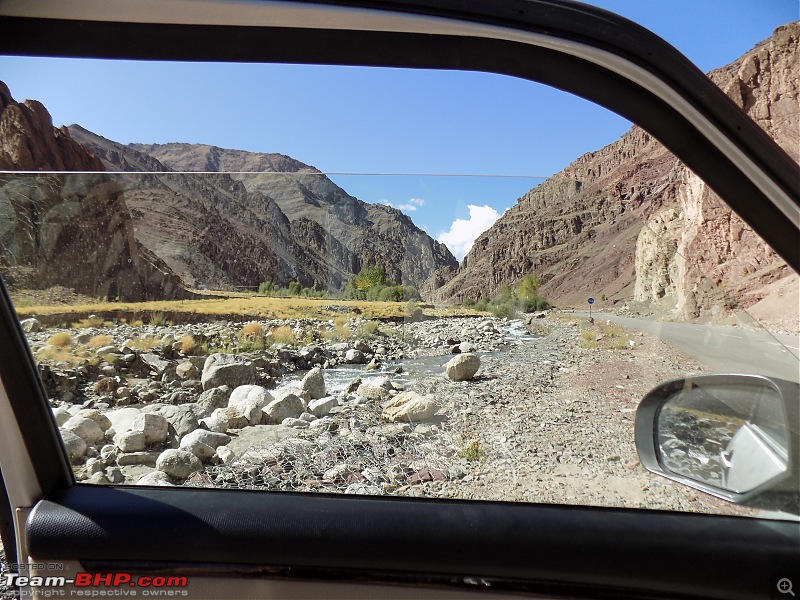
(591, 301)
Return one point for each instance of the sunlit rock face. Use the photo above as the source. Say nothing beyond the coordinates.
(67, 229)
(630, 222)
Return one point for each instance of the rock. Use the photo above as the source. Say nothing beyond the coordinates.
(98, 478)
(74, 444)
(137, 458)
(186, 370)
(210, 438)
(157, 365)
(295, 423)
(287, 406)
(351, 387)
(409, 406)
(214, 398)
(228, 369)
(248, 401)
(86, 429)
(250, 394)
(372, 393)
(463, 366)
(130, 441)
(217, 421)
(465, 347)
(226, 455)
(158, 478)
(115, 475)
(314, 383)
(178, 463)
(122, 419)
(362, 346)
(154, 426)
(182, 418)
(31, 325)
(307, 416)
(96, 416)
(355, 357)
(323, 406)
(62, 415)
(199, 449)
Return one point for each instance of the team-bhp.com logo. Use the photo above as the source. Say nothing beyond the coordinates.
(119, 583)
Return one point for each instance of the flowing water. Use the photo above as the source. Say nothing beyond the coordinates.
(412, 369)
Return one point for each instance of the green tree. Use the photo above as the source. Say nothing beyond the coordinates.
(528, 288)
(369, 277)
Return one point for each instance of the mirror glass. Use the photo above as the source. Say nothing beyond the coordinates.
(728, 435)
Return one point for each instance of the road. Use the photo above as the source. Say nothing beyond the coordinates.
(723, 349)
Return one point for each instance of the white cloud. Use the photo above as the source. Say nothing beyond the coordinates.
(412, 205)
(462, 233)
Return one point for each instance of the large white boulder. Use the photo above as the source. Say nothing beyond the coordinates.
(463, 366)
(409, 406)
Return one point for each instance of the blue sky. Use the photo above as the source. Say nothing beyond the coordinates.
(358, 120)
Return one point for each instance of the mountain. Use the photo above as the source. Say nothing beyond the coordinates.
(617, 223)
(53, 226)
(346, 231)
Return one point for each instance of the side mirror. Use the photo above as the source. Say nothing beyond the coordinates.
(732, 436)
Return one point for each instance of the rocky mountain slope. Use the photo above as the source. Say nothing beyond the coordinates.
(72, 230)
(617, 223)
(342, 232)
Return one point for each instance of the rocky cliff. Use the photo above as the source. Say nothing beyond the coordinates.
(343, 232)
(616, 223)
(72, 230)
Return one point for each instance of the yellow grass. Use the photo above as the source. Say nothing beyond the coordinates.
(252, 330)
(255, 307)
(283, 335)
(99, 341)
(188, 344)
(60, 340)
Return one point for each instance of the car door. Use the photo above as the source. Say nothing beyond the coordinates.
(196, 542)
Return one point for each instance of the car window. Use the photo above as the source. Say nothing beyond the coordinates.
(215, 317)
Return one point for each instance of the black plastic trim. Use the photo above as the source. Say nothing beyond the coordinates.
(567, 20)
(634, 549)
(29, 402)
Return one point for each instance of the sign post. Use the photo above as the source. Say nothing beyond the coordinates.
(590, 301)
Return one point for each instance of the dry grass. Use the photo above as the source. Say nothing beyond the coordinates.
(99, 341)
(60, 340)
(145, 343)
(252, 330)
(92, 321)
(606, 336)
(256, 307)
(283, 335)
(188, 344)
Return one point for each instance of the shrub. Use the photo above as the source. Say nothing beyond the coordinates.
(61, 340)
(157, 319)
(267, 288)
(99, 341)
(368, 328)
(283, 335)
(505, 310)
(473, 451)
(413, 311)
(188, 345)
(295, 288)
(534, 304)
(251, 330)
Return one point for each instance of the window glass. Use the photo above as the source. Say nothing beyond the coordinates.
(218, 312)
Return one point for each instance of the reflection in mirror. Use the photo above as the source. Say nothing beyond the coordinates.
(730, 436)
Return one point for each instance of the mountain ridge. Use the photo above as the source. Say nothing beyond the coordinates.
(622, 222)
